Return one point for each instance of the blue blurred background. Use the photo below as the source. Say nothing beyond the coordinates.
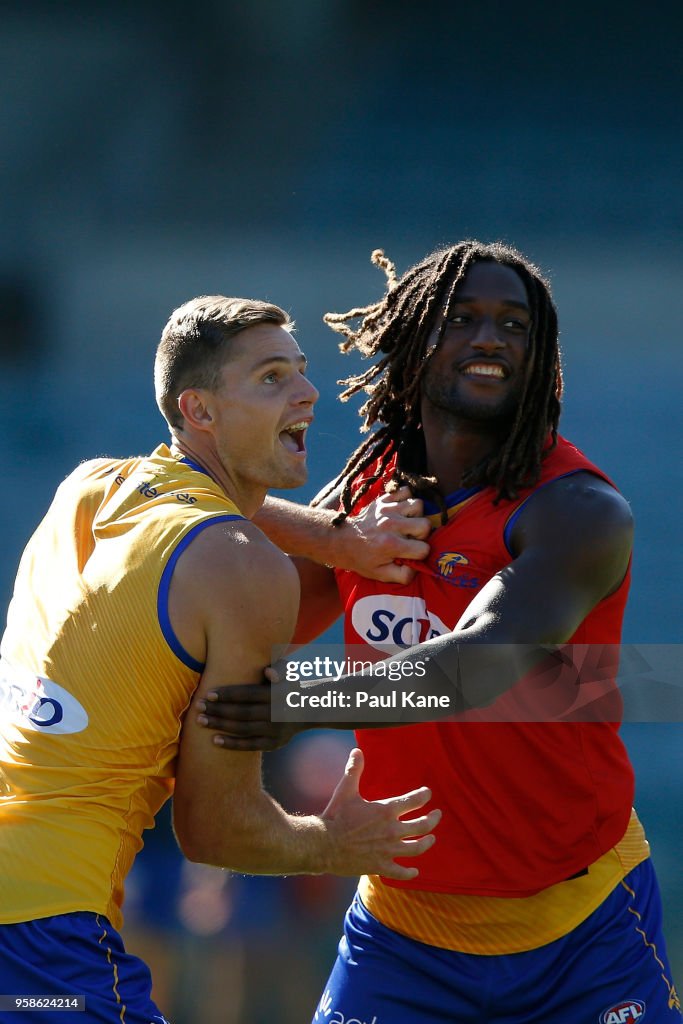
(152, 152)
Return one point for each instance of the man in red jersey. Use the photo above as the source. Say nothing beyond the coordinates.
(539, 902)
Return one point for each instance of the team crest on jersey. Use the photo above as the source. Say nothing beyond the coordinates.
(447, 561)
(389, 622)
(36, 702)
(626, 1012)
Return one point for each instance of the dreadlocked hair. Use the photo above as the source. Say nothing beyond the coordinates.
(396, 331)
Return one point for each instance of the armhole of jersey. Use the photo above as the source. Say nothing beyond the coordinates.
(510, 524)
(165, 586)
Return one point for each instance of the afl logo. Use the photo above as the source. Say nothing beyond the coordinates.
(35, 702)
(624, 1013)
(447, 561)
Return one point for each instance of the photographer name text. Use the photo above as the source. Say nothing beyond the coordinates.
(362, 699)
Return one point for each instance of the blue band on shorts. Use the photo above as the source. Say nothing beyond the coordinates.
(76, 954)
(611, 969)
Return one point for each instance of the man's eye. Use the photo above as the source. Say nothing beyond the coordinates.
(271, 378)
(517, 325)
(458, 319)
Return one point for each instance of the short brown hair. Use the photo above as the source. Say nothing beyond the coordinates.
(195, 345)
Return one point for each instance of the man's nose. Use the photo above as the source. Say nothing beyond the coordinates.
(308, 393)
(486, 337)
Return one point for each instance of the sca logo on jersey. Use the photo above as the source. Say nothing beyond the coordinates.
(624, 1013)
(35, 702)
(388, 621)
(330, 1016)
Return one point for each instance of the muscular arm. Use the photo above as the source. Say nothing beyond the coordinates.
(572, 544)
(233, 598)
(308, 535)
(390, 528)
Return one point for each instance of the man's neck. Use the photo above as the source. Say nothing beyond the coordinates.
(208, 460)
(452, 448)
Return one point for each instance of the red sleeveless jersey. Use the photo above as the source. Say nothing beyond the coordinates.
(526, 804)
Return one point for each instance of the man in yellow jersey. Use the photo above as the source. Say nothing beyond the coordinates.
(144, 579)
(539, 903)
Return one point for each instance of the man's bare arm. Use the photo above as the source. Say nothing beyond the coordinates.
(393, 527)
(573, 544)
(233, 597)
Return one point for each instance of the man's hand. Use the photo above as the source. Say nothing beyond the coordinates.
(369, 835)
(242, 714)
(392, 527)
(365, 836)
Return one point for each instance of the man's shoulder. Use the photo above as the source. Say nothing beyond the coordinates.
(231, 578)
(95, 469)
(564, 457)
(238, 551)
(580, 504)
(583, 487)
(569, 479)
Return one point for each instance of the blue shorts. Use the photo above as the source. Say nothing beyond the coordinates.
(58, 958)
(612, 969)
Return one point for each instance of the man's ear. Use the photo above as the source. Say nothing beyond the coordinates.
(194, 405)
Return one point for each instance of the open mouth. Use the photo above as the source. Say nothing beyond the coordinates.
(293, 437)
(495, 371)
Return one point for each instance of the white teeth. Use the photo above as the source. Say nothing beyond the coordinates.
(486, 369)
(296, 426)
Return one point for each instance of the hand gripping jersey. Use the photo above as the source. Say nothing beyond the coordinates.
(527, 804)
(94, 683)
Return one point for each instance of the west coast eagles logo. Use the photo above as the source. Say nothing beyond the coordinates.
(447, 561)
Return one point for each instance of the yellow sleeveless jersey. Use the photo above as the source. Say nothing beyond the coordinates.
(94, 683)
(493, 925)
